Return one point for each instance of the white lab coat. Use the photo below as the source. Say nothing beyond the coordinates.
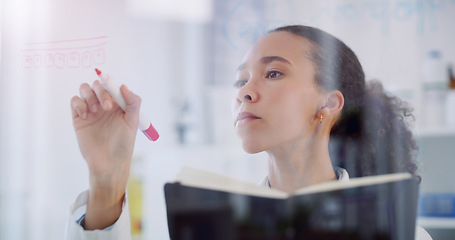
(121, 228)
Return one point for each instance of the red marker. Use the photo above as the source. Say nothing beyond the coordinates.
(144, 125)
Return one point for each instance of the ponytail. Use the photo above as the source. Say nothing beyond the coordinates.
(375, 138)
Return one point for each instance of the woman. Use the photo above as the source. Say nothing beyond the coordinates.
(300, 92)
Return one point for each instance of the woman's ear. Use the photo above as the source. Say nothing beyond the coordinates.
(334, 103)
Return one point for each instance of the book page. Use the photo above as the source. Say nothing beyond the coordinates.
(353, 182)
(204, 179)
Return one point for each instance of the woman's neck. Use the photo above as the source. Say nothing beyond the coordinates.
(295, 167)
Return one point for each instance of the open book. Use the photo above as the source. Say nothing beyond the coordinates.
(204, 205)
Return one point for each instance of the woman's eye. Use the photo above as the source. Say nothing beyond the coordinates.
(273, 74)
(239, 83)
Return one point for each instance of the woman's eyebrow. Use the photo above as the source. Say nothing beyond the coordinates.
(269, 59)
(265, 60)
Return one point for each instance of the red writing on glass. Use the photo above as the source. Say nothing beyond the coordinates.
(72, 54)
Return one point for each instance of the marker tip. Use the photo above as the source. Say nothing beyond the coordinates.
(98, 71)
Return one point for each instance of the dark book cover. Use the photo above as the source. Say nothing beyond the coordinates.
(376, 211)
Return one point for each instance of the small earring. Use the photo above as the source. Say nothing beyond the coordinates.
(321, 119)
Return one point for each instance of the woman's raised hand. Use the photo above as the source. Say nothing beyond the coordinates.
(106, 135)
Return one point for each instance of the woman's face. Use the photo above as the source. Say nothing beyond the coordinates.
(277, 101)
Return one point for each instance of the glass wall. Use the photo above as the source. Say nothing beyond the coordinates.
(183, 65)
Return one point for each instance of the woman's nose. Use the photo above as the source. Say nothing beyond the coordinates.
(247, 94)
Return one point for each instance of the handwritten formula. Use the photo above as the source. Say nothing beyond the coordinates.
(65, 54)
(247, 20)
(423, 13)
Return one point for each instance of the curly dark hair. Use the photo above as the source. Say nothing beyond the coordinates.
(372, 134)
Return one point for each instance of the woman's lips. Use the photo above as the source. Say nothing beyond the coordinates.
(244, 118)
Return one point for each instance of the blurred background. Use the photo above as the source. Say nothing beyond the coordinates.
(180, 57)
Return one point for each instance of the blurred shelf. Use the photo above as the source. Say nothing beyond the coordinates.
(436, 222)
(435, 132)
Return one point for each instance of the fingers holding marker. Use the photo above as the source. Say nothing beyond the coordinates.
(86, 102)
(133, 104)
(144, 125)
(102, 95)
(78, 107)
(89, 97)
